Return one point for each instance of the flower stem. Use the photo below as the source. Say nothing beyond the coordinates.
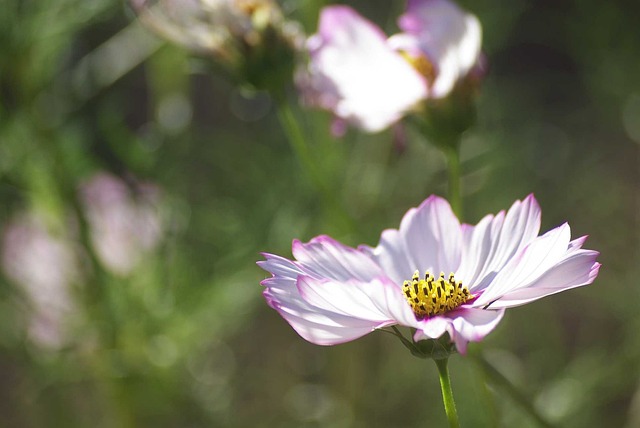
(452, 152)
(299, 145)
(447, 393)
(505, 384)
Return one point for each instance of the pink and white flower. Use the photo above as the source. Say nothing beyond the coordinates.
(332, 293)
(370, 81)
(356, 74)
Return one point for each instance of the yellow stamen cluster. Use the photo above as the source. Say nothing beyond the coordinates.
(422, 65)
(429, 296)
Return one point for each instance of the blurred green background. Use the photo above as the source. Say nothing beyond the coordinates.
(172, 331)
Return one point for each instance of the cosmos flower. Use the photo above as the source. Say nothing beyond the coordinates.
(208, 26)
(432, 274)
(370, 81)
(250, 38)
(356, 74)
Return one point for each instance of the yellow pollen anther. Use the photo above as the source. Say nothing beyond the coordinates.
(422, 65)
(429, 296)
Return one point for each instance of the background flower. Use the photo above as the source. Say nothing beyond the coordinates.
(245, 37)
(125, 221)
(356, 74)
(208, 26)
(370, 81)
(45, 267)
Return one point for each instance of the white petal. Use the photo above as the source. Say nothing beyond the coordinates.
(577, 269)
(393, 303)
(450, 37)
(314, 324)
(279, 266)
(320, 328)
(363, 300)
(464, 325)
(472, 325)
(324, 257)
(495, 240)
(576, 244)
(479, 244)
(429, 238)
(356, 74)
(528, 264)
(391, 255)
(432, 328)
(281, 287)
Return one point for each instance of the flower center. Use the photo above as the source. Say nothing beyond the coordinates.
(429, 296)
(422, 65)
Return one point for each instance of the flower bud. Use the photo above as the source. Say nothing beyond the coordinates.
(249, 38)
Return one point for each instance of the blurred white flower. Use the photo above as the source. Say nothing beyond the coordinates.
(251, 38)
(354, 73)
(370, 81)
(125, 222)
(44, 266)
(202, 25)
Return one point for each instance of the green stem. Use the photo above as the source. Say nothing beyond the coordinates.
(447, 393)
(99, 296)
(499, 380)
(406, 342)
(299, 145)
(452, 152)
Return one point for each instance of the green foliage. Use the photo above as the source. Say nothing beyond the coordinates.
(185, 339)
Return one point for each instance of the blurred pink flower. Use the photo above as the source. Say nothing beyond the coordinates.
(370, 81)
(332, 293)
(125, 222)
(356, 74)
(44, 266)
